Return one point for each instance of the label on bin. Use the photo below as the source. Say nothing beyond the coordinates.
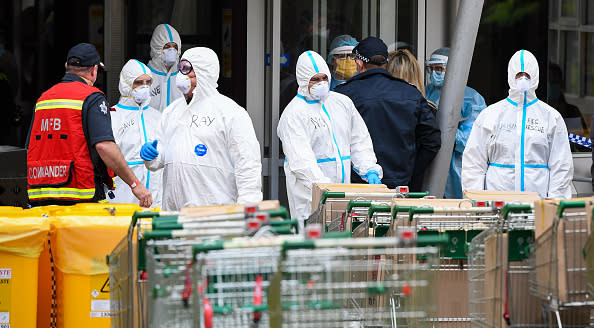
(5, 277)
(99, 292)
(4, 319)
(100, 305)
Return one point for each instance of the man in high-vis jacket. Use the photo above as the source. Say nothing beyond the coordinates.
(71, 144)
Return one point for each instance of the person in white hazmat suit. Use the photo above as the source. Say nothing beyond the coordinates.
(165, 52)
(133, 123)
(519, 143)
(322, 133)
(209, 149)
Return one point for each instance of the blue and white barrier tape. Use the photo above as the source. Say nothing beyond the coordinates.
(582, 141)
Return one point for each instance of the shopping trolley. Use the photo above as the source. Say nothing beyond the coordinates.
(499, 270)
(126, 282)
(559, 275)
(140, 262)
(364, 218)
(354, 283)
(461, 223)
(232, 278)
(332, 204)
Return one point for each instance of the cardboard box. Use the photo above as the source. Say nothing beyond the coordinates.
(319, 188)
(267, 205)
(453, 294)
(494, 286)
(508, 196)
(559, 248)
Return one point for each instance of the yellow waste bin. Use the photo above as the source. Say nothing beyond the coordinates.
(22, 238)
(81, 238)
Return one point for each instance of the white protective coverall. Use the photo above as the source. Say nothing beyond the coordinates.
(209, 149)
(321, 138)
(133, 126)
(519, 143)
(163, 90)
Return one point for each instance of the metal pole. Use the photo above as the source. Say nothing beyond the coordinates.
(274, 101)
(450, 103)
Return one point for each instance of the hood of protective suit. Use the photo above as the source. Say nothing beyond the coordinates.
(163, 33)
(522, 61)
(309, 64)
(130, 72)
(206, 67)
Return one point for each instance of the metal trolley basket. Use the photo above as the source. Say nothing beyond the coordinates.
(148, 268)
(499, 270)
(461, 224)
(559, 275)
(331, 209)
(329, 282)
(354, 283)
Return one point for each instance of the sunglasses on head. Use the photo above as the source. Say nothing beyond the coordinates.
(185, 67)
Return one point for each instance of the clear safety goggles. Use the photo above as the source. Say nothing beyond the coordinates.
(437, 68)
(344, 56)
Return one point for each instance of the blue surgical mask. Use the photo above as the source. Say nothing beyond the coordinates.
(335, 82)
(437, 78)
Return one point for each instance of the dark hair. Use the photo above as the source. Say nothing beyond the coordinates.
(375, 61)
(78, 69)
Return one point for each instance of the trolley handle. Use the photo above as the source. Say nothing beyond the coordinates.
(140, 215)
(440, 239)
(418, 194)
(418, 210)
(331, 194)
(515, 208)
(569, 204)
(357, 203)
(376, 208)
(397, 209)
(281, 212)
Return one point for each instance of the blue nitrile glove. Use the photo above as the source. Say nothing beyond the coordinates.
(148, 152)
(373, 177)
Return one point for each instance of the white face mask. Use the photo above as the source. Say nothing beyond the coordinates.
(141, 94)
(522, 83)
(319, 90)
(169, 56)
(183, 83)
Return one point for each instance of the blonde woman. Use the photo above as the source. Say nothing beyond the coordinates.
(403, 65)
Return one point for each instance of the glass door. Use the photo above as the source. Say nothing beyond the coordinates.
(293, 27)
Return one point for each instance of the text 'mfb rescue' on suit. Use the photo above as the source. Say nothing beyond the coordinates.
(163, 90)
(519, 143)
(208, 149)
(321, 138)
(133, 125)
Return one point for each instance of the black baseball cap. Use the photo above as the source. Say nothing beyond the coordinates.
(369, 47)
(84, 55)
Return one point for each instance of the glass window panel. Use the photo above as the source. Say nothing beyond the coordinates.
(570, 40)
(568, 8)
(553, 36)
(314, 24)
(554, 10)
(589, 12)
(589, 70)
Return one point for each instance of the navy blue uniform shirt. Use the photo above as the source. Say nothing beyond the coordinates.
(96, 124)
